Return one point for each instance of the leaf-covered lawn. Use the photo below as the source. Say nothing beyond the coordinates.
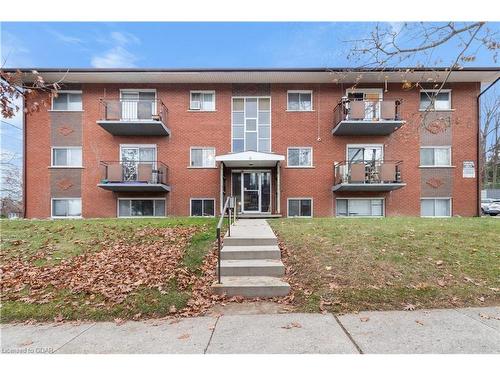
(106, 269)
(391, 263)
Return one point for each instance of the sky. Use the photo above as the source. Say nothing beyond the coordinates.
(186, 45)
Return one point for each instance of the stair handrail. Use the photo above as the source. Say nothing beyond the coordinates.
(231, 216)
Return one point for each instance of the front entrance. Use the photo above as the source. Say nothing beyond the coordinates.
(252, 190)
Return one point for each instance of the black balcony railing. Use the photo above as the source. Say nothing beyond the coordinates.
(368, 172)
(144, 172)
(133, 110)
(366, 110)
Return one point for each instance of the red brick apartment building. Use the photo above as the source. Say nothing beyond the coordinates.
(285, 142)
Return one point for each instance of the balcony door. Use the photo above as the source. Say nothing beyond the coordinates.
(371, 99)
(133, 157)
(137, 105)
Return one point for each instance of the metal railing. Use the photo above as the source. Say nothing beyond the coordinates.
(229, 207)
(367, 172)
(367, 110)
(150, 172)
(133, 110)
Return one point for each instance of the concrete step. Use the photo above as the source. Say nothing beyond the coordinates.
(250, 241)
(252, 267)
(250, 252)
(252, 286)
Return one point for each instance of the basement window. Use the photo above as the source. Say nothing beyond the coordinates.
(66, 207)
(300, 207)
(202, 207)
(141, 207)
(360, 207)
(435, 207)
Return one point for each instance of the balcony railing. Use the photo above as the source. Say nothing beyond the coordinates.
(134, 117)
(134, 176)
(365, 117)
(374, 175)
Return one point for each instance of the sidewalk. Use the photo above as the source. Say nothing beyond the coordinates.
(470, 330)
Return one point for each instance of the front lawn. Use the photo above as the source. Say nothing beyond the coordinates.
(105, 269)
(343, 265)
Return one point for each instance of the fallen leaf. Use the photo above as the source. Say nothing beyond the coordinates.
(184, 336)
(439, 263)
(292, 325)
(26, 343)
(364, 319)
(481, 299)
(409, 307)
(419, 322)
(58, 318)
(119, 321)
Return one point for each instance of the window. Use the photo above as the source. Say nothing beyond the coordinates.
(299, 100)
(141, 207)
(434, 100)
(202, 207)
(67, 101)
(360, 207)
(435, 156)
(66, 207)
(202, 101)
(203, 157)
(300, 157)
(300, 207)
(251, 124)
(435, 207)
(67, 157)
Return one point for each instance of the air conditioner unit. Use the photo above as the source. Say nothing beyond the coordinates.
(196, 104)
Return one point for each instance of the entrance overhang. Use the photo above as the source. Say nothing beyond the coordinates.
(250, 159)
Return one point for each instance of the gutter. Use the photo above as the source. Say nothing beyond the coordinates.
(478, 213)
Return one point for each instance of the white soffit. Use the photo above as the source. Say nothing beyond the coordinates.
(261, 76)
(250, 159)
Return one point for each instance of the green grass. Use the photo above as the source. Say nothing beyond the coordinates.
(63, 239)
(354, 264)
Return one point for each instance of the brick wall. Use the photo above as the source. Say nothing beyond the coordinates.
(213, 129)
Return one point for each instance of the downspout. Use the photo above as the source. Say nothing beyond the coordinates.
(478, 208)
(24, 159)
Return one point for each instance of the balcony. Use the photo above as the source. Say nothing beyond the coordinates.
(363, 117)
(134, 117)
(133, 176)
(368, 176)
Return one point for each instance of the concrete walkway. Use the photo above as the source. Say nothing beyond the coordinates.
(471, 330)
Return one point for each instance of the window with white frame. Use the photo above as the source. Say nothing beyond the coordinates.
(202, 101)
(66, 156)
(67, 101)
(435, 100)
(299, 207)
(300, 156)
(300, 100)
(435, 207)
(360, 207)
(251, 124)
(203, 157)
(435, 156)
(66, 207)
(141, 207)
(202, 207)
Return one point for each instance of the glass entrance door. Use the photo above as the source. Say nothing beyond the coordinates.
(251, 192)
(255, 191)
